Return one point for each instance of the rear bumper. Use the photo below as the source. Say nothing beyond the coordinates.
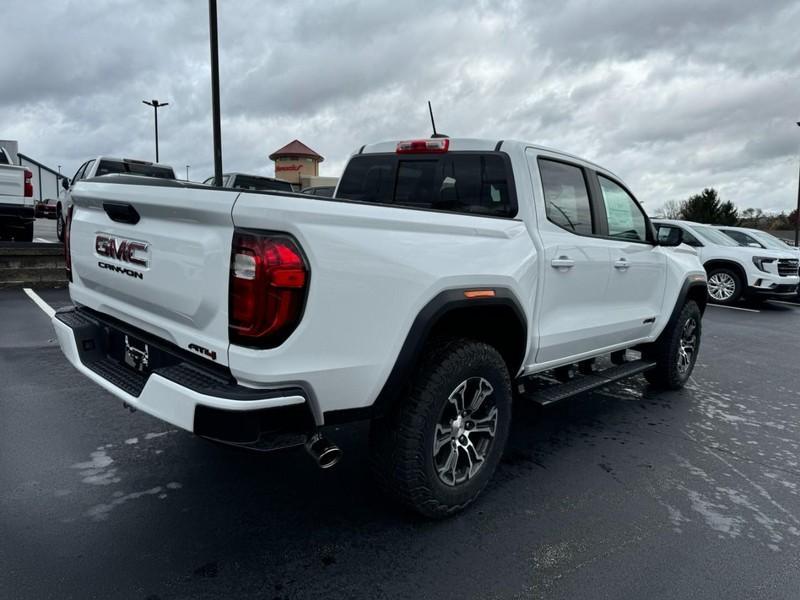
(23, 214)
(183, 391)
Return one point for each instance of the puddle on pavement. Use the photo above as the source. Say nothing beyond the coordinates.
(101, 470)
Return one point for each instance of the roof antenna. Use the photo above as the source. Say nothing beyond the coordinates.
(433, 123)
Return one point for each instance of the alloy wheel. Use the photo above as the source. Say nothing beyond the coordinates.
(465, 431)
(721, 286)
(687, 348)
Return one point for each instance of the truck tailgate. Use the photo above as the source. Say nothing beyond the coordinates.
(156, 257)
(12, 182)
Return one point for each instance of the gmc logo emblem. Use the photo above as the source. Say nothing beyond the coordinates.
(123, 250)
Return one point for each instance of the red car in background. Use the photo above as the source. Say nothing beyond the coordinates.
(45, 208)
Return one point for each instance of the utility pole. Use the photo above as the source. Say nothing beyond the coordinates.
(156, 105)
(214, 43)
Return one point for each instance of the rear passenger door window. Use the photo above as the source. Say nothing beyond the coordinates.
(566, 196)
(626, 220)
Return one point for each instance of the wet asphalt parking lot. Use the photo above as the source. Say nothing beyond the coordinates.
(621, 493)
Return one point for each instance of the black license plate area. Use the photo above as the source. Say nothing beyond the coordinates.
(137, 354)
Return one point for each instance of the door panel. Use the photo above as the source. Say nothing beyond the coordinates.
(570, 317)
(575, 269)
(635, 289)
(638, 270)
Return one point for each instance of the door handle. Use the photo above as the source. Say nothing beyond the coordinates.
(621, 264)
(562, 262)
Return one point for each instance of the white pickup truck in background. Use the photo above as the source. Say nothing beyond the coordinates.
(257, 183)
(16, 200)
(446, 276)
(105, 165)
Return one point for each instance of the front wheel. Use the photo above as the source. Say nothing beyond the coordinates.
(675, 352)
(724, 286)
(440, 444)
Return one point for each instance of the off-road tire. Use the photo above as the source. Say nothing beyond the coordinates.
(401, 442)
(666, 350)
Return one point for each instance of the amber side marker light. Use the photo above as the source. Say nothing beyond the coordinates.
(479, 294)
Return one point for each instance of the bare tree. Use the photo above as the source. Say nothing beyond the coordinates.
(670, 210)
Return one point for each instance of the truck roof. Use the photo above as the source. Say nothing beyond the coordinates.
(484, 145)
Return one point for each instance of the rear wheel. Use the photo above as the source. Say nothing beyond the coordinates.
(59, 224)
(440, 444)
(675, 352)
(724, 286)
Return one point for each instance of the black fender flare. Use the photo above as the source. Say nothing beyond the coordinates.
(692, 288)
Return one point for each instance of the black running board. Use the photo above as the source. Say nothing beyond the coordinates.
(582, 383)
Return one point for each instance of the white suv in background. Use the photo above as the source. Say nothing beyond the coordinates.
(735, 271)
(755, 238)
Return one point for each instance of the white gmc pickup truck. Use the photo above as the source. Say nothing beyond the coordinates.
(445, 277)
(16, 200)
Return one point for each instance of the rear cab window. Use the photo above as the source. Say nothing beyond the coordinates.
(249, 182)
(107, 167)
(477, 183)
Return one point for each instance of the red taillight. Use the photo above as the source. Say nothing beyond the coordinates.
(434, 146)
(67, 256)
(28, 184)
(268, 283)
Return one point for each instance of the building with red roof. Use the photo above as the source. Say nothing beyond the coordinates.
(296, 161)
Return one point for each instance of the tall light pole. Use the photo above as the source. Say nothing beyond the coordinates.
(156, 105)
(214, 43)
(797, 212)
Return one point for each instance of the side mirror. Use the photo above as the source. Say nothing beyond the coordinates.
(65, 183)
(674, 239)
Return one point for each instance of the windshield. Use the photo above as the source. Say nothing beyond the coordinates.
(769, 240)
(712, 235)
(133, 168)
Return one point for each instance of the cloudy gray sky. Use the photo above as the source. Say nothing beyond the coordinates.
(674, 95)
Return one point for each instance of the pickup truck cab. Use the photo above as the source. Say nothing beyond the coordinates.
(16, 200)
(445, 276)
(736, 270)
(259, 183)
(105, 165)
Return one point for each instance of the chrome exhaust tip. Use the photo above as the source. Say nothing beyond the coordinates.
(324, 452)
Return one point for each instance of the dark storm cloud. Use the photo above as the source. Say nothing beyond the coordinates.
(674, 96)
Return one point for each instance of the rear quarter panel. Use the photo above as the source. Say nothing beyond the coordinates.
(373, 268)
